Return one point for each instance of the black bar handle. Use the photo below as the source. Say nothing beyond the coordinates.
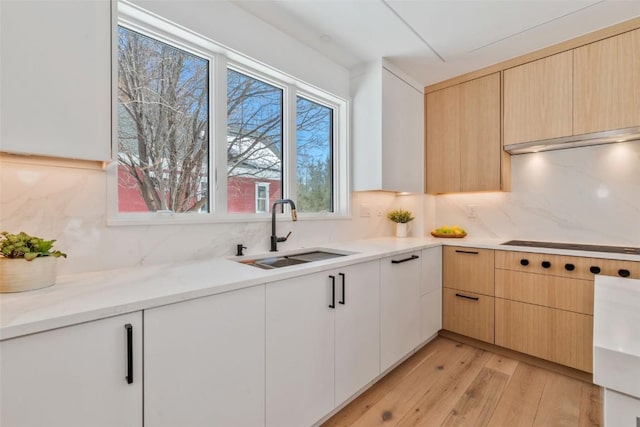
(467, 252)
(342, 301)
(399, 261)
(129, 329)
(467, 297)
(333, 292)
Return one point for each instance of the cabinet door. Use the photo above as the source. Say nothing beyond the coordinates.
(204, 361)
(399, 307)
(299, 350)
(431, 270)
(402, 135)
(56, 78)
(560, 336)
(357, 333)
(430, 314)
(469, 269)
(468, 314)
(443, 140)
(74, 376)
(607, 84)
(538, 99)
(480, 144)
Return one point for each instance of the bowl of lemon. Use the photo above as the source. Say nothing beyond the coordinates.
(449, 232)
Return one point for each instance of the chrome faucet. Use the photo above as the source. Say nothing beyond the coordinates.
(294, 217)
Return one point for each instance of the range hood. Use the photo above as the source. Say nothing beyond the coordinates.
(574, 141)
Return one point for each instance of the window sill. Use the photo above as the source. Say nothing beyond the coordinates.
(131, 220)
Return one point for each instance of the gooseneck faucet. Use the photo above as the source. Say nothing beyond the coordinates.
(294, 217)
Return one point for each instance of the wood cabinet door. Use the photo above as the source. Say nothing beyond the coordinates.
(299, 350)
(468, 269)
(443, 140)
(538, 99)
(560, 336)
(468, 314)
(74, 376)
(204, 361)
(480, 144)
(56, 78)
(357, 323)
(607, 84)
(399, 307)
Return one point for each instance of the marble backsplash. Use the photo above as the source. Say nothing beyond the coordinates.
(582, 195)
(69, 204)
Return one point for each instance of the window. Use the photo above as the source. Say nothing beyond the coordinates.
(205, 134)
(314, 149)
(262, 197)
(254, 139)
(163, 126)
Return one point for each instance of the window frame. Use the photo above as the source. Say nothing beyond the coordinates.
(220, 59)
(266, 186)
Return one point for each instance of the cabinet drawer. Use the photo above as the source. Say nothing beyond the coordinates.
(468, 314)
(468, 269)
(565, 266)
(556, 335)
(550, 291)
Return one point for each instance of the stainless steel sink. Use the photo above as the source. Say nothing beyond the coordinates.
(269, 263)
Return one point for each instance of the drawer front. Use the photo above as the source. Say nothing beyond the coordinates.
(468, 314)
(468, 269)
(556, 335)
(549, 291)
(565, 266)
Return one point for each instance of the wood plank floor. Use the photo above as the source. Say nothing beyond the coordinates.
(448, 383)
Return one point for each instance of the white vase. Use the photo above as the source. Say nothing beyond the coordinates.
(18, 275)
(401, 229)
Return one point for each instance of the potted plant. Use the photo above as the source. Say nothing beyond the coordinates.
(401, 217)
(26, 262)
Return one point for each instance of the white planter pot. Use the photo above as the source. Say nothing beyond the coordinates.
(402, 229)
(18, 275)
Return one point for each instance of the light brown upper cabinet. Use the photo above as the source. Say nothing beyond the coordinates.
(538, 101)
(463, 137)
(607, 84)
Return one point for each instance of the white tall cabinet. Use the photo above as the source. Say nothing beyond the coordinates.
(78, 376)
(321, 342)
(388, 130)
(204, 361)
(55, 89)
(399, 307)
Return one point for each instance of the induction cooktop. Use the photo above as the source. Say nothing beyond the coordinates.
(575, 246)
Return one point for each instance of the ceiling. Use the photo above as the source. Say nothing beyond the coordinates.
(432, 40)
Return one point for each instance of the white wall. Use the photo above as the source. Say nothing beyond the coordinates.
(584, 195)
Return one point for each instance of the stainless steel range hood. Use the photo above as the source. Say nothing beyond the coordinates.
(597, 138)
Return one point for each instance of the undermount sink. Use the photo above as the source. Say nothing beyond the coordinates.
(268, 263)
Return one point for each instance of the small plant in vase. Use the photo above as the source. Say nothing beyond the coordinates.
(26, 262)
(401, 217)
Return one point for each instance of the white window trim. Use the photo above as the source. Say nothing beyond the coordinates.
(220, 58)
(266, 186)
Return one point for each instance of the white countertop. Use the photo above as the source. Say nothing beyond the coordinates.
(90, 296)
(616, 334)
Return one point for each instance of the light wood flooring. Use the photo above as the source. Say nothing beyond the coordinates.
(448, 383)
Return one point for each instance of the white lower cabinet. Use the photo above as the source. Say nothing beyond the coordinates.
(399, 307)
(204, 361)
(620, 410)
(431, 293)
(321, 342)
(83, 375)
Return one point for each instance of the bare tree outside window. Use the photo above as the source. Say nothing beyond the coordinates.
(163, 126)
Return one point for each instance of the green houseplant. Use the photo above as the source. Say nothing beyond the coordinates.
(401, 217)
(26, 262)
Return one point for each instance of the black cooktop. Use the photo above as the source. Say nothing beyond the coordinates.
(574, 247)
